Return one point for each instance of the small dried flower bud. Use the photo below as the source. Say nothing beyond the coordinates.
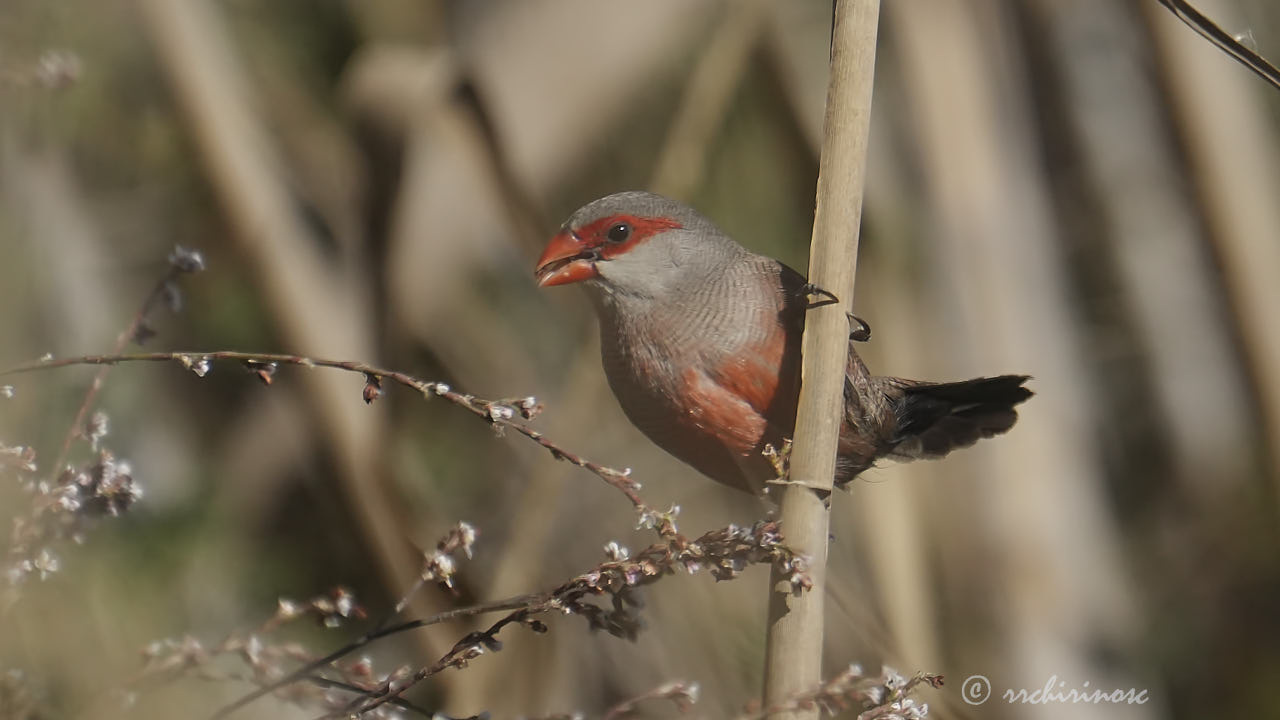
(467, 537)
(46, 562)
(96, 429)
(287, 609)
(692, 691)
(344, 603)
(500, 413)
(616, 552)
(198, 365)
(68, 501)
(439, 566)
(362, 667)
(372, 388)
(252, 650)
(186, 260)
(20, 457)
(57, 69)
(265, 371)
(529, 407)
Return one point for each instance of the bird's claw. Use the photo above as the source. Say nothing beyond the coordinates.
(828, 297)
(862, 332)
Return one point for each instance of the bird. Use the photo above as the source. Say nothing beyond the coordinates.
(700, 343)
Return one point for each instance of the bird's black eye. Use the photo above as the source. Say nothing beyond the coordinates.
(619, 233)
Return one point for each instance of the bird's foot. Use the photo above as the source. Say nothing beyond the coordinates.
(860, 333)
(827, 297)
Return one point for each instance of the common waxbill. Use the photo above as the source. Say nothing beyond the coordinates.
(700, 339)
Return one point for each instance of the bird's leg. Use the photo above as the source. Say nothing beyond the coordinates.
(861, 333)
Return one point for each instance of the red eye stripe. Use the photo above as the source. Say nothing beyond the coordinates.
(596, 234)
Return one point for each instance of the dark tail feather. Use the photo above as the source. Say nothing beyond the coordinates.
(933, 420)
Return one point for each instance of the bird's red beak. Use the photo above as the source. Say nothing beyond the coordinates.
(565, 260)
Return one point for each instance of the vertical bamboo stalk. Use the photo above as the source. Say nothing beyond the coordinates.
(793, 661)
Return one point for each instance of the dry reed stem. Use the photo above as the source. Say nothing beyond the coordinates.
(794, 655)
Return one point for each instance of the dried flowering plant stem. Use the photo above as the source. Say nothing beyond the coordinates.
(311, 666)
(725, 552)
(438, 565)
(500, 413)
(182, 261)
(680, 692)
(187, 657)
(1225, 41)
(62, 509)
(683, 694)
(71, 498)
(883, 697)
(886, 696)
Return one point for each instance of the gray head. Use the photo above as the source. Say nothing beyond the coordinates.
(636, 244)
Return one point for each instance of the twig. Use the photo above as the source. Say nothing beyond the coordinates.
(1210, 30)
(499, 413)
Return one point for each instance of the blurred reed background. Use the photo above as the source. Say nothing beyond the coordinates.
(1081, 190)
